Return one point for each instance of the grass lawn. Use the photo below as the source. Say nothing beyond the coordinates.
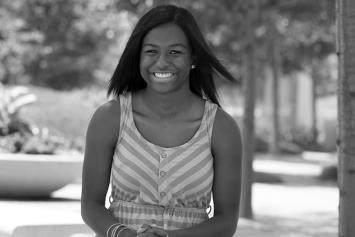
(64, 112)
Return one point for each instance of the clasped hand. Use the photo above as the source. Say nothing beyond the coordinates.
(149, 231)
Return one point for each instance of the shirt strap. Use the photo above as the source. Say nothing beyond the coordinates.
(124, 107)
(210, 116)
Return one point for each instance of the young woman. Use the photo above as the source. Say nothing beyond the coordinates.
(164, 143)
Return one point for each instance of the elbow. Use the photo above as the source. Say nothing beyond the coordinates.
(84, 211)
(231, 227)
(88, 208)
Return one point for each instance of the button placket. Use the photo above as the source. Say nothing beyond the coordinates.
(162, 173)
(162, 193)
(163, 155)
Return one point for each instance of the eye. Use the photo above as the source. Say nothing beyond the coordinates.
(175, 52)
(150, 51)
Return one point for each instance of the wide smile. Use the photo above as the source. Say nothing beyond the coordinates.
(163, 76)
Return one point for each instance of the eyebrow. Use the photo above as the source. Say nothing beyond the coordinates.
(173, 45)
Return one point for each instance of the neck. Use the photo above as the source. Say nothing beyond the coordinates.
(167, 105)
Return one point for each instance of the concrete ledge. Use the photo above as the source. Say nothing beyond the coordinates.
(23, 175)
(69, 230)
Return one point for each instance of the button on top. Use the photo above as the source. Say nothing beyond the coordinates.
(162, 194)
(162, 173)
(163, 155)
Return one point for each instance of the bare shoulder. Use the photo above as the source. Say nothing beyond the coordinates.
(105, 122)
(226, 135)
(108, 111)
(227, 154)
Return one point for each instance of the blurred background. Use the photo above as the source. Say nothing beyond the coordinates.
(56, 58)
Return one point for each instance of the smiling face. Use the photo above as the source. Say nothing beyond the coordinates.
(165, 59)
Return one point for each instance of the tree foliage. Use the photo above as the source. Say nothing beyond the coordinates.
(60, 44)
(68, 43)
(305, 28)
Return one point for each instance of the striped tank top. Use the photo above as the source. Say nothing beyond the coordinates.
(168, 188)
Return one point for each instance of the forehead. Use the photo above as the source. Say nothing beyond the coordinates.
(165, 35)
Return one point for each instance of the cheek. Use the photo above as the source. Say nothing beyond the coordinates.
(143, 66)
(185, 62)
(185, 65)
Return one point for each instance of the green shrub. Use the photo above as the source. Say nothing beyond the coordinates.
(19, 135)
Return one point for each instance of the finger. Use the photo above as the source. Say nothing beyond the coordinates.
(147, 234)
(159, 231)
(153, 232)
(143, 228)
(146, 226)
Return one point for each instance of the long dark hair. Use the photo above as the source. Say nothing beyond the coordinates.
(127, 75)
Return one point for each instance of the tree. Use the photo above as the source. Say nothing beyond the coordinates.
(71, 43)
(59, 44)
(14, 44)
(249, 108)
(274, 144)
(302, 33)
(346, 115)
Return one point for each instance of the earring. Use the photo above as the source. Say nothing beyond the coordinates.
(193, 66)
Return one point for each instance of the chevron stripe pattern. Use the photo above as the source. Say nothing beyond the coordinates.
(164, 187)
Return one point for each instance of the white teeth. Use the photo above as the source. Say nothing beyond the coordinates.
(163, 74)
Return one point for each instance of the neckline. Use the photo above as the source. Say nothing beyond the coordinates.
(140, 135)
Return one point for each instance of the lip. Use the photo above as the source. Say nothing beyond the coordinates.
(162, 72)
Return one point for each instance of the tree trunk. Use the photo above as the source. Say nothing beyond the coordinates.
(246, 210)
(293, 114)
(274, 142)
(248, 136)
(346, 115)
(314, 128)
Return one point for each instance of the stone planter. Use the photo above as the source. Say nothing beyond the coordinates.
(34, 176)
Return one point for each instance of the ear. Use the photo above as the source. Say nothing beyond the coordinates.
(193, 61)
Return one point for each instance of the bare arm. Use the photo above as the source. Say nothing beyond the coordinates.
(227, 152)
(101, 139)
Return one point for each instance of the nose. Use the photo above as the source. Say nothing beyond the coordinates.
(162, 61)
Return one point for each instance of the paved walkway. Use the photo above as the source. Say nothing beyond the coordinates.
(302, 206)
(291, 211)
